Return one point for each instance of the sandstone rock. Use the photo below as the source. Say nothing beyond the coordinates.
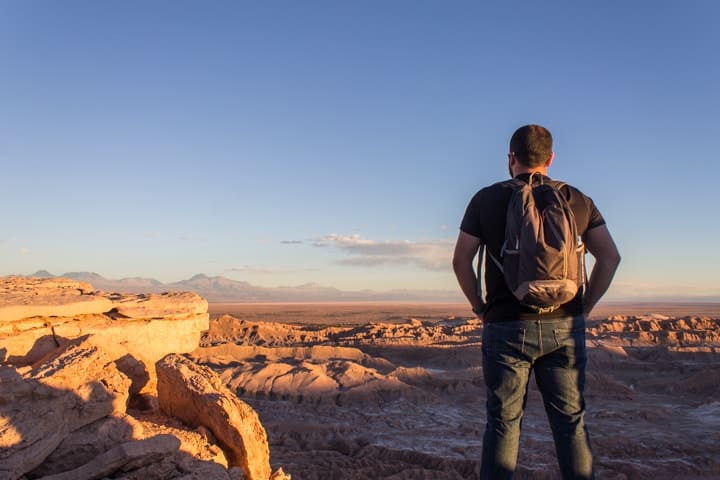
(159, 305)
(136, 330)
(321, 373)
(127, 455)
(61, 411)
(22, 297)
(206, 471)
(198, 443)
(280, 475)
(228, 329)
(148, 339)
(178, 465)
(196, 395)
(37, 411)
(318, 353)
(86, 443)
(137, 345)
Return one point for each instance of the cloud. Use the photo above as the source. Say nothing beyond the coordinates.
(427, 254)
(24, 251)
(291, 242)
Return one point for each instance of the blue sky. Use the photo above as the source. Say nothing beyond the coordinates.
(286, 142)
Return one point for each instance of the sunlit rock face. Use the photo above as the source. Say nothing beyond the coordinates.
(196, 395)
(71, 361)
(24, 298)
(68, 391)
(40, 315)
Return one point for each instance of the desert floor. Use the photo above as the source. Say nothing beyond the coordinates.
(394, 391)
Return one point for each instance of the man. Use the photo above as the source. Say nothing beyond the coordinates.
(516, 339)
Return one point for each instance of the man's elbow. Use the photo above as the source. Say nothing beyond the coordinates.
(456, 263)
(459, 263)
(611, 260)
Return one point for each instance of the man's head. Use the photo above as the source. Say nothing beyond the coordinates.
(531, 146)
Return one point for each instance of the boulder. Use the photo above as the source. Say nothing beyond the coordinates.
(70, 358)
(41, 315)
(86, 443)
(26, 341)
(127, 455)
(167, 305)
(196, 395)
(74, 388)
(23, 297)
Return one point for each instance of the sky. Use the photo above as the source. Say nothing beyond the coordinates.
(338, 142)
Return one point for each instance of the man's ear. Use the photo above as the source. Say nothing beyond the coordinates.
(512, 163)
(550, 160)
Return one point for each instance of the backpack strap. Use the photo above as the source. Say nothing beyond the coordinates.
(486, 251)
(495, 260)
(481, 263)
(480, 272)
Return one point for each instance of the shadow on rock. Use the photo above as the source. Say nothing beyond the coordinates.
(65, 418)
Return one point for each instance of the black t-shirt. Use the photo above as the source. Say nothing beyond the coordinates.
(485, 219)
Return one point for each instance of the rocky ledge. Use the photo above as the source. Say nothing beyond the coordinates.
(80, 396)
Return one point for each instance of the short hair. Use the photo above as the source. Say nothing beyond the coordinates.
(532, 145)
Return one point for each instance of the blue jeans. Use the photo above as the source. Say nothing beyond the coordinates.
(555, 350)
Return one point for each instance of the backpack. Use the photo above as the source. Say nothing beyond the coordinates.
(542, 258)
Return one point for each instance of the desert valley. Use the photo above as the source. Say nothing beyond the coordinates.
(342, 391)
(395, 391)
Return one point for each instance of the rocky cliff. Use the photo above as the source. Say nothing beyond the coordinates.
(80, 397)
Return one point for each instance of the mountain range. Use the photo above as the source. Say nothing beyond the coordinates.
(218, 289)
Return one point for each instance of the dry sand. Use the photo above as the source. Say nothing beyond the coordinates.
(394, 391)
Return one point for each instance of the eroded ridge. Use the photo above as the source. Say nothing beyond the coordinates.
(405, 399)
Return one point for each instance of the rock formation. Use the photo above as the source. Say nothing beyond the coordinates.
(138, 453)
(196, 395)
(84, 444)
(22, 298)
(135, 330)
(71, 361)
(399, 399)
(403, 399)
(38, 410)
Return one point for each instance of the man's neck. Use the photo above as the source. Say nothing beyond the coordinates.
(520, 171)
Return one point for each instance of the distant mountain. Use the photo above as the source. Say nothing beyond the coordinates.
(132, 284)
(220, 289)
(42, 274)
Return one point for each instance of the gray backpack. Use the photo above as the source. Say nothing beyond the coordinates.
(542, 257)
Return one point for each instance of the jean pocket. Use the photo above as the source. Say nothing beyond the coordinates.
(499, 338)
(571, 339)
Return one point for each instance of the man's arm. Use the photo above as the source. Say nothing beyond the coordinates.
(465, 250)
(600, 244)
